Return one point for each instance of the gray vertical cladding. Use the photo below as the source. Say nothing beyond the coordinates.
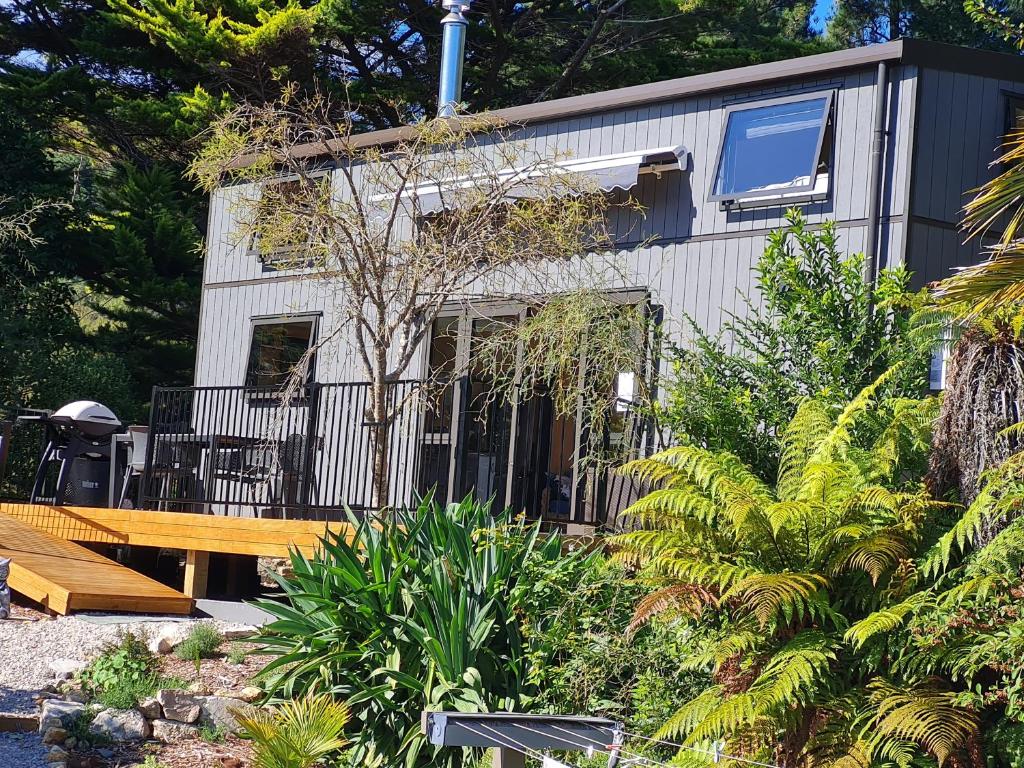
(961, 119)
(696, 258)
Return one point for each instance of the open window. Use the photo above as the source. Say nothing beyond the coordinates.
(288, 203)
(774, 151)
(277, 347)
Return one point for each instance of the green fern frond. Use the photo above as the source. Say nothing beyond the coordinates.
(841, 434)
(795, 673)
(691, 714)
(884, 620)
(665, 505)
(732, 714)
(768, 595)
(874, 555)
(808, 428)
(923, 714)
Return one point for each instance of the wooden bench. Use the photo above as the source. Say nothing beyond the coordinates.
(198, 535)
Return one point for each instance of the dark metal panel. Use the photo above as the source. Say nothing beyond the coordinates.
(533, 732)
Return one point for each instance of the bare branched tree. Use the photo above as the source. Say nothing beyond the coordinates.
(450, 211)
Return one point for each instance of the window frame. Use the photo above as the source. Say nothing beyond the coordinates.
(1012, 100)
(264, 391)
(775, 196)
(279, 259)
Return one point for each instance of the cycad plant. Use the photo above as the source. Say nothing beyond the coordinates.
(772, 576)
(297, 733)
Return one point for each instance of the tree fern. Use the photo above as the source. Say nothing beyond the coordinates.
(804, 576)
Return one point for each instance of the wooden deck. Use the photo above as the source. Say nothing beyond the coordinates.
(173, 530)
(198, 535)
(65, 577)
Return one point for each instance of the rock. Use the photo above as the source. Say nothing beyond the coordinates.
(70, 742)
(105, 752)
(56, 755)
(120, 725)
(64, 669)
(216, 712)
(170, 731)
(238, 632)
(78, 695)
(150, 709)
(179, 706)
(55, 735)
(250, 693)
(57, 713)
(199, 689)
(167, 637)
(48, 688)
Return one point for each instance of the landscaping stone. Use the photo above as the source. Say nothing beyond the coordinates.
(57, 755)
(151, 709)
(64, 669)
(238, 632)
(55, 736)
(167, 637)
(121, 725)
(178, 705)
(170, 731)
(59, 714)
(216, 712)
(250, 693)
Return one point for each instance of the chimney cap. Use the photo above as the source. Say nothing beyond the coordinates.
(456, 6)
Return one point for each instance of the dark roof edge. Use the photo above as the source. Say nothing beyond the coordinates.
(920, 52)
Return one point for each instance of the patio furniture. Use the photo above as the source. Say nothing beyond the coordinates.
(137, 439)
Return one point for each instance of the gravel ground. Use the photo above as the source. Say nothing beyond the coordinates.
(22, 750)
(29, 642)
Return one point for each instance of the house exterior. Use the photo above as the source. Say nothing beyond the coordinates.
(884, 140)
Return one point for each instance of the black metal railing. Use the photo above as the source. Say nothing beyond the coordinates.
(245, 451)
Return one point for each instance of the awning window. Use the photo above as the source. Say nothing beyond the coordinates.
(608, 172)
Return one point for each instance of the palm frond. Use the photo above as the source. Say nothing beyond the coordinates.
(992, 284)
(296, 733)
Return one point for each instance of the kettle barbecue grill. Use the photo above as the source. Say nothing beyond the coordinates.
(75, 465)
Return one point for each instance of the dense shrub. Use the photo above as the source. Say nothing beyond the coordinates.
(585, 658)
(203, 642)
(810, 328)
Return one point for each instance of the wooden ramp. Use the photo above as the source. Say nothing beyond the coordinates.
(65, 577)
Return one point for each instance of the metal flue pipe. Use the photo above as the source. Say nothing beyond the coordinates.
(453, 48)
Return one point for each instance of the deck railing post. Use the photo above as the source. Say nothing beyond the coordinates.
(154, 406)
(308, 445)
